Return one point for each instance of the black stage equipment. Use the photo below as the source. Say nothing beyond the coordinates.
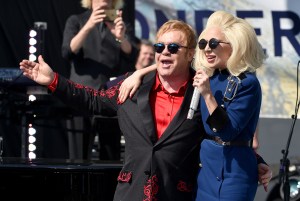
(61, 180)
(289, 192)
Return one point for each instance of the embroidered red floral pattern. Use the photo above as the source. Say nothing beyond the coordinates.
(109, 93)
(184, 187)
(125, 177)
(151, 189)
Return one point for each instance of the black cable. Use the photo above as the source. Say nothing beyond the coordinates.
(285, 162)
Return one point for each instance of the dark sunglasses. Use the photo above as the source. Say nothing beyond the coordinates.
(172, 47)
(212, 43)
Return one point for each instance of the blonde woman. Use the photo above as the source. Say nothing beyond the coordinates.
(226, 59)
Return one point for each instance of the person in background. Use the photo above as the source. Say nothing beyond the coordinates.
(98, 46)
(162, 145)
(145, 59)
(146, 54)
(226, 60)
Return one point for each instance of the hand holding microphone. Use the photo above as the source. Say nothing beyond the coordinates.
(201, 84)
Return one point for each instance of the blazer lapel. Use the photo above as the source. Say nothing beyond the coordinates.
(144, 105)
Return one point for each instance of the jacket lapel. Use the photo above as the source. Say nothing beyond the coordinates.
(181, 115)
(144, 105)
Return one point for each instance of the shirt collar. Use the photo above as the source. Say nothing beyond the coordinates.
(159, 87)
(221, 71)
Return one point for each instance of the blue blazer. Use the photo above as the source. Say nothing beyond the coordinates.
(230, 172)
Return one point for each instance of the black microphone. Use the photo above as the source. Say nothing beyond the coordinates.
(194, 103)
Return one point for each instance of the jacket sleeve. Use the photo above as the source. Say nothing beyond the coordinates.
(72, 27)
(87, 100)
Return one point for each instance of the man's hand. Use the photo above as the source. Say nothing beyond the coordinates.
(39, 72)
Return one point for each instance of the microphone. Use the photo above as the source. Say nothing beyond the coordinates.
(194, 103)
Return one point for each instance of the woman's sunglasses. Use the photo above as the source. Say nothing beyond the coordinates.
(172, 47)
(212, 43)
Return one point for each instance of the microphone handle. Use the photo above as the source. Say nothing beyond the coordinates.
(194, 103)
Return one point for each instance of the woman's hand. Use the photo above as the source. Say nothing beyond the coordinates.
(97, 16)
(201, 81)
(264, 175)
(118, 27)
(129, 86)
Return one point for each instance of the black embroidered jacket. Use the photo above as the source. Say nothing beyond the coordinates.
(154, 170)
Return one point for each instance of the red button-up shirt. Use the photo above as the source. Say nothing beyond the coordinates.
(165, 105)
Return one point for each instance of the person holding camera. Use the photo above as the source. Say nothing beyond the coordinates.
(98, 46)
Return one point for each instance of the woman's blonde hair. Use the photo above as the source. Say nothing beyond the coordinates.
(116, 4)
(247, 53)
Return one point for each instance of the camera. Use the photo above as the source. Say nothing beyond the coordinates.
(111, 15)
(277, 191)
(40, 25)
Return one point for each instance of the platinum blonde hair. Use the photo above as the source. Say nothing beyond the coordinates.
(247, 53)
